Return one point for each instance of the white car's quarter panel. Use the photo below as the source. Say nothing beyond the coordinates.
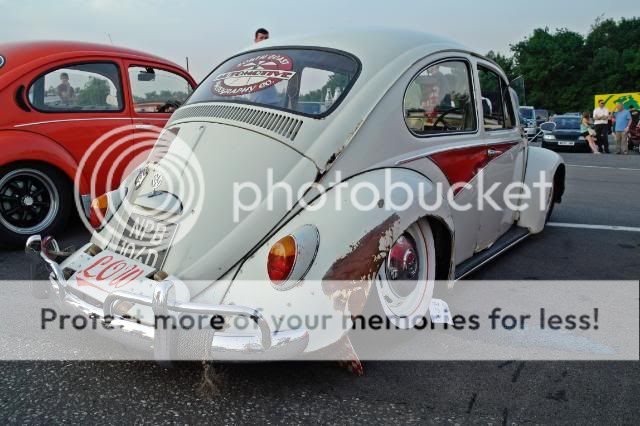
(352, 247)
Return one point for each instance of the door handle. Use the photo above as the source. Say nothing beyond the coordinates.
(142, 126)
(493, 152)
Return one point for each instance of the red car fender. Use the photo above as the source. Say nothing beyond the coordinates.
(18, 145)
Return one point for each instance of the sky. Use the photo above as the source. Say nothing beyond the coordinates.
(209, 31)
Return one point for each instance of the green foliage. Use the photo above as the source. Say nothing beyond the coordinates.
(563, 70)
(94, 93)
(162, 96)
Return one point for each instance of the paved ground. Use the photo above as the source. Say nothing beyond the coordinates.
(601, 190)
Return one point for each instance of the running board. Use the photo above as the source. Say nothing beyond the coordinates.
(512, 237)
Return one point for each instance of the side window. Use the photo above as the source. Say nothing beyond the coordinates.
(439, 100)
(497, 108)
(78, 88)
(156, 90)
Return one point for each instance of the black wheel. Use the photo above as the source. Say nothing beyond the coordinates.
(34, 199)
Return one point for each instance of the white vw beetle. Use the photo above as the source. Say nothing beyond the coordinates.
(326, 116)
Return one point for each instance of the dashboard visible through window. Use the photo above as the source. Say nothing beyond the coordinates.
(157, 91)
(439, 100)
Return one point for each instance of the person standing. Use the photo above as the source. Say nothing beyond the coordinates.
(621, 128)
(587, 132)
(601, 123)
(635, 120)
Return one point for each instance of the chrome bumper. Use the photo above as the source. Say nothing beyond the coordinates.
(166, 343)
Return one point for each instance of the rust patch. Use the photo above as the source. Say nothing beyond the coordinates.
(366, 255)
(348, 280)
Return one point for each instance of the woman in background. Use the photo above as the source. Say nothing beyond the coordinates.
(588, 133)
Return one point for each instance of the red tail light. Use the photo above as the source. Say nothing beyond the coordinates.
(282, 259)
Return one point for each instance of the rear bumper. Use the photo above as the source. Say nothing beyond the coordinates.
(168, 344)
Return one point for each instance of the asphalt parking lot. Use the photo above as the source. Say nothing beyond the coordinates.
(595, 235)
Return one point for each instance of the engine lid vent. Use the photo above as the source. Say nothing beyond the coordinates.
(281, 124)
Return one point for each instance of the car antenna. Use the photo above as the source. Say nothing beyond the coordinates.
(109, 35)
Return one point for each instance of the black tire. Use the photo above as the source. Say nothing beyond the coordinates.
(552, 202)
(35, 198)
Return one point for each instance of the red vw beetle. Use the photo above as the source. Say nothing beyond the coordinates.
(57, 99)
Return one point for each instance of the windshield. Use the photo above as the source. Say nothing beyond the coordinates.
(527, 112)
(305, 81)
(567, 123)
(542, 113)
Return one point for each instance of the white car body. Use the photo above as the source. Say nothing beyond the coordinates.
(219, 261)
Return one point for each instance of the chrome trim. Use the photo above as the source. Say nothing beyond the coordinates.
(268, 345)
(70, 120)
(496, 254)
(437, 150)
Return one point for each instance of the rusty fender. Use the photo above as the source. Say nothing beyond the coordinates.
(352, 246)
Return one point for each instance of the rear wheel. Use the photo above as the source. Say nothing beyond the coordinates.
(34, 199)
(405, 280)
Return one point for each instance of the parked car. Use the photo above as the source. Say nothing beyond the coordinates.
(542, 116)
(530, 124)
(566, 136)
(57, 99)
(422, 112)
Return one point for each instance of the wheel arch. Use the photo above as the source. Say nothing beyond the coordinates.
(22, 146)
(548, 166)
(352, 246)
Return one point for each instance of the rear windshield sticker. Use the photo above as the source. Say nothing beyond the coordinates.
(254, 74)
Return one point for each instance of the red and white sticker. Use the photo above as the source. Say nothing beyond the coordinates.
(254, 74)
(110, 271)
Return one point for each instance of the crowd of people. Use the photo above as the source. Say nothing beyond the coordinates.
(624, 123)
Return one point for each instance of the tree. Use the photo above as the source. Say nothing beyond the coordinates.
(563, 70)
(94, 93)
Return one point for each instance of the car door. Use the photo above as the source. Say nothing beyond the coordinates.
(155, 93)
(82, 107)
(440, 110)
(505, 150)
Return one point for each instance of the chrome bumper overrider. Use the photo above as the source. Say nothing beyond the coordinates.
(163, 341)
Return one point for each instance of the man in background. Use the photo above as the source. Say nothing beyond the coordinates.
(601, 122)
(621, 128)
(635, 119)
(261, 35)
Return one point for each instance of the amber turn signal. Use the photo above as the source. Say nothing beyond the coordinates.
(282, 258)
(98, 210)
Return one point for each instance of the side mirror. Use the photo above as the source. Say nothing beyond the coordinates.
(549, 126)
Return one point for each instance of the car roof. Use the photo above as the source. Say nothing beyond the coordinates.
(377, 48)
(21, 57)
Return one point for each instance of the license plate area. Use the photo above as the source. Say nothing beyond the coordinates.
(144, 239)
(566, 143)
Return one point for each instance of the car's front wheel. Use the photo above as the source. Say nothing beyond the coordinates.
(34, 199)
(405, 281)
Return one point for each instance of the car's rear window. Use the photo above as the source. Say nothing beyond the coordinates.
(527, 112)
(306, 81)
